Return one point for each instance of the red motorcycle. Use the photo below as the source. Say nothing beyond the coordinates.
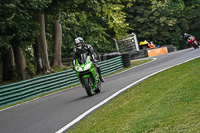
(192, 41)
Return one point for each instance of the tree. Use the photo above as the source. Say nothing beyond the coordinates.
(57, 61)
(20, 62)
(163, 22)
(14, 32)
(191, 18)
(151, 20)
(8, 64)
(98, 22)
(55, 9)
(18, 29)
(115, 17)
(41, 45)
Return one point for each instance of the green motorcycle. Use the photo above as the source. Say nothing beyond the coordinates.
(88, 75)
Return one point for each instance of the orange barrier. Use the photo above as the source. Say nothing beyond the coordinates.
(157, 51)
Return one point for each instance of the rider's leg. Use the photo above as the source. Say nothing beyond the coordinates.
(99, 71)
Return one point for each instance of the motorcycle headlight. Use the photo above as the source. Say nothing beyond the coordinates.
(87, 66)
(79, 69)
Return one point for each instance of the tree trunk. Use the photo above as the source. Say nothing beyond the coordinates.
(20, 63)
(37, 56)
(41, 43)
(8, 65)
(57, 62)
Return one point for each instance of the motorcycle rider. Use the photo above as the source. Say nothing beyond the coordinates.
(81, 47)
(186, 37)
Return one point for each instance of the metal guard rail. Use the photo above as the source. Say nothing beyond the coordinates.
(23, 90)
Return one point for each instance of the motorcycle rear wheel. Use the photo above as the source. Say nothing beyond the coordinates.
(88, 86)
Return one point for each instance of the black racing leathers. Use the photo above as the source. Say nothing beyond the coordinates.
(88, 50)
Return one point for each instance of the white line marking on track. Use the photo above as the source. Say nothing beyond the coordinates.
(112, 96)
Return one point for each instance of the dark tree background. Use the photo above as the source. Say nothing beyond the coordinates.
(35, 35)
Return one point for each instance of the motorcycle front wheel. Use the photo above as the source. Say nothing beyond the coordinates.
(195, 45)
(88, 86)
(98, 89)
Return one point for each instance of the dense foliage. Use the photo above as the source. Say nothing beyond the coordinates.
(164, 22)
(97, 21)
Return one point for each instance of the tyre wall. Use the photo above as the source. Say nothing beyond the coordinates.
(139, 54)
(126, 60)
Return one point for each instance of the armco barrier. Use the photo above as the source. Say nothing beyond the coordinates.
(23, 90)
(111, 65)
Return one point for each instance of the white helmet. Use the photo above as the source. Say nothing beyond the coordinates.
(79, 42)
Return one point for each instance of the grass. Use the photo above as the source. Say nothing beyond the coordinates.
(133, 64)
(167, 102)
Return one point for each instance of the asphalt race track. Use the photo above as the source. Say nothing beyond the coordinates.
(50, 113)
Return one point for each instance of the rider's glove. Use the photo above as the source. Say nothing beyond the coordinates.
(93, 58)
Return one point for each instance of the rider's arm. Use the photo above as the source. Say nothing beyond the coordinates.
(91, 52)
(74, 56)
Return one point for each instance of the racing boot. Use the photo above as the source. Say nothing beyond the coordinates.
(101, 78)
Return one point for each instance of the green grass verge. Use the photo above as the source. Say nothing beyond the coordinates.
(168, 102)
(133, 64)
